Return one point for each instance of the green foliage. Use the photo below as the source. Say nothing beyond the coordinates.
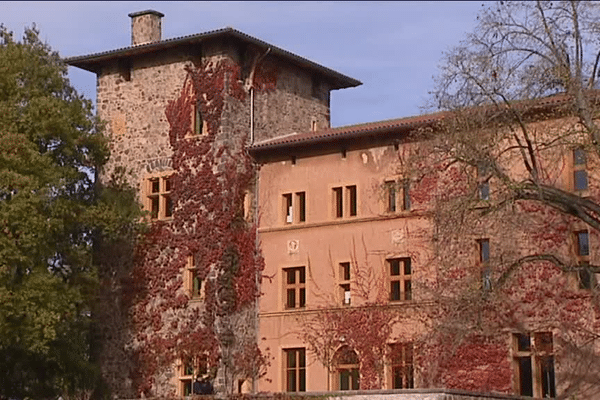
(51, 213)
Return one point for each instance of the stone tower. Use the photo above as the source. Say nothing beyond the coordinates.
(243, 90)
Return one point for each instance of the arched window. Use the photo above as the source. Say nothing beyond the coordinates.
(346, 369)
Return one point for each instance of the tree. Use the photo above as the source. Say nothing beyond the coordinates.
(509, 173)
(51, 214)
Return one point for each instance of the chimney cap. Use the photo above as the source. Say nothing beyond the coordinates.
(140, 13)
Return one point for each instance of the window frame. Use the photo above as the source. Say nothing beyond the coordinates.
(199, 126)
(346, 371)
(534, 355)
(579, 160)
(185, 380)
(158, 200)
(586, 279)
(344, 201)
(191, 272)
(401, 359)
(297, 287)
(397, 195)
(484, 263)
(294, 207)
(402, 280)
(344, 283)
(298, 370)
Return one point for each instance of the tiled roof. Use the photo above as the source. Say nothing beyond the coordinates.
(91, 62)
(377, 129)
(381, 129)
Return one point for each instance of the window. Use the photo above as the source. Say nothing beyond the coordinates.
(295, 287)
(534, 364)
(158, 197)
(124, 67)
(580, 177)
(583, 244)
(338, 202)
(199, 127)
(346, 367)
(483, 185)
(401, 366)
(301, 201)
(405, 195)
(294, 207)
(295, 370)
(390, 187)
(351, 190)
(585, 276)
(192, 279)
(393, 197)
(313, 125)
(344, 285)
(400, 279)
(188, 371)
(345, 201)
(484, 258)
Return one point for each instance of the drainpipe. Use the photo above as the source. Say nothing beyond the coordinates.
(251, 82)
(252, 114)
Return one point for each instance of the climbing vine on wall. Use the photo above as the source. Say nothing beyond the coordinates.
(212, 173)
(366, 328)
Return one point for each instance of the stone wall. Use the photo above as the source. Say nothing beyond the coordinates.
(132, 97)
(298, 100)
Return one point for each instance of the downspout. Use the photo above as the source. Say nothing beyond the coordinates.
(251, 83)
(251, 115)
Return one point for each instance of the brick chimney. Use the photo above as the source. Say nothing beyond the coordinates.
(145, 27)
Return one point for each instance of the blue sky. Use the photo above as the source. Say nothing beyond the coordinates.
(394, 48)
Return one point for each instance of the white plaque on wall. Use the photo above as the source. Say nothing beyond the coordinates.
(293, 246)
